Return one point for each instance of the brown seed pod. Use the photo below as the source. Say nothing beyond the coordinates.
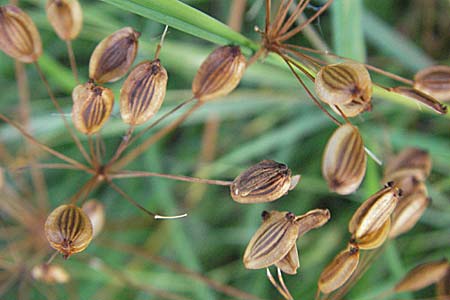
(374, 212)
(339, 270)
(408, 212)
(421, 97)
(50, 274)
(434, 80)
(422, 276)
(312, 219)
(344, 160)
(290, 263)
(345, 83)
(114, 55)
(143, 92)
(219, 74)
(68, 230)
(66, 18)
(19, 37)
(411, 162)
(266, 181)
(92, 106)
(443, 287)
(374, 239)
(96, 213)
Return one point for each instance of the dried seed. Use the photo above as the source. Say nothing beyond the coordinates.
(374, 212)
(344, 160)
(19, 37)
(420, 97)
(66, 18)
(344, 83)
(422, 276)
(408, 212)
(2, 178)
(219, 74)
(312, 219)
(409, 162)
(114, 55)
(50, 274)
(266, 181)
(434, 80)
(443, 287)
(68, 230)
(92, 106)
(290, 263)
(96, 214)
(374, 239)
(143, 92)
(339, 270)
(353, 108)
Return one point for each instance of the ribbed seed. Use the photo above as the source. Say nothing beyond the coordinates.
(68, 230)
(96, 214)
(219, 74)
(374, 212)
(345, 83)
(409, 162)
(264, 182)
(66, 18)
(19, 37)
(344, 160)
(143, 92)
(434, 80)
(374, 239)
(421, 97)
(339, 270)
(422, 276)
(312, 219)
(114, 55)
(290, 263)
(92, 106)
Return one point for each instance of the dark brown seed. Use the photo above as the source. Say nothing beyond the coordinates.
(66, 18)
(422, 276)
(434, 80)
(421, 97)
(19, 37)
(143, 92)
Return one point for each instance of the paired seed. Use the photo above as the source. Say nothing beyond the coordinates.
(68, 230)
(434, 80)
(96, 214)
(374, 239)
(266, 181)
(219, 74)
(114, 55)
(50, 274)
(143, 92)
(66, 18)
(344, 160)
(19, 37)
(92, 106)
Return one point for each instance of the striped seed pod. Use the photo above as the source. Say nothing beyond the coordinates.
(422, 276)
(19, 37)
(408, 212)
(339, 270)
(410, 162)
(374, 212)
(434, 80)
(143, 92)
(266, 181)
(66, 18)
(96, 214)
(114, 55)
(68, 230)
(50, 274)
(421, 97)
(219, 74)
(92, 106)
(353, 108)
(345, 83)
(374, 239)
(344, 160)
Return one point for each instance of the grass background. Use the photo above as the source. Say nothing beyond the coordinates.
(267, 117)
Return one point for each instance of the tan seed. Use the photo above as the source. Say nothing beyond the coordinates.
(19, 37)
(50, 274)
(66, 18)
(219, 74)
(96, 214)
(409, 162)
(434, 80)
(374, 239)
(290, 263)
(312, 219)
(421, 97)
(422, 276)
(443, 287)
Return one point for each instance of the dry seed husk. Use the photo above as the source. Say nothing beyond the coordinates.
(312, 219)
(290, 263)
(374, 212)
(408, 212)
(92, 106)
(219, 74)
(143, 92)
(344, 83)
(66, 18)
(422, 276)
(421, 97)
(68, 230)
(409, 162)
(434, 80)
(443, 287)
(266, 181)
(339, 270)
(353, 108)
(344, 160)
(114, 55)
(376, 238)
(50, 274)
(272, 241)
(19, 37)
(96, 214)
